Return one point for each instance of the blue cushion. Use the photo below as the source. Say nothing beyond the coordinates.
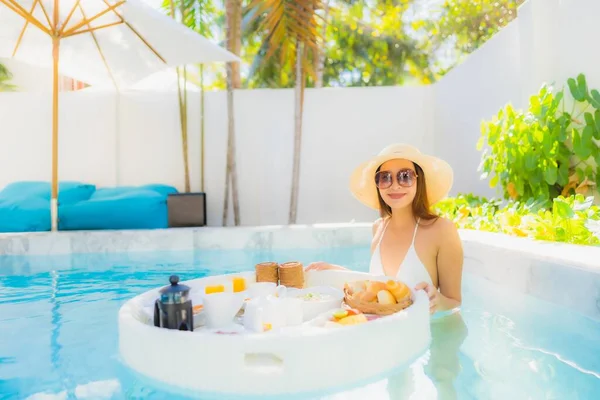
(119, 208)
(68, 192)
(22, 214)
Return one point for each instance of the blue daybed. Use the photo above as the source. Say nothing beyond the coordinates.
(25, 207)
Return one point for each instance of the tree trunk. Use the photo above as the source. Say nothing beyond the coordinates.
(298, 108)
(320, 59)
(202, 128)
(233, 10)
(182, 99)
(231, 176)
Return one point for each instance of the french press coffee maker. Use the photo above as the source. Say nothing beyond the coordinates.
(173, 310)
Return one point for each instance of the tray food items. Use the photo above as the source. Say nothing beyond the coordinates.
(267, 272)
(377, 297)
(345, 317)
(291, 274)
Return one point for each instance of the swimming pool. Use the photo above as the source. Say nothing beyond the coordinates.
(58, 327)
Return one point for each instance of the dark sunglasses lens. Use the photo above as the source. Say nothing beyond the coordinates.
(406, 177)
(383, 179)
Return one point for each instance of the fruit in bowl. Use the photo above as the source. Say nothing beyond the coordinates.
(378, 297)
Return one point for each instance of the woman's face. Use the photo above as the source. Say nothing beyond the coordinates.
(397, 183)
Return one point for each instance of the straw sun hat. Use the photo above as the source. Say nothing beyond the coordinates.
(438, 174)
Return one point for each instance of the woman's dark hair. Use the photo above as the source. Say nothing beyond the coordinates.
(420, 204)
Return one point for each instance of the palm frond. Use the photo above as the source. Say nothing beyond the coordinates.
(286, 25)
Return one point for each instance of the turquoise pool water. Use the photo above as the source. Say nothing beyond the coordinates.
(58, 331)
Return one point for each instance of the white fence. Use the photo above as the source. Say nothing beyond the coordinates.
(135, 139)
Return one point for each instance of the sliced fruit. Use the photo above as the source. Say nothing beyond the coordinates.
(339, 314)
(353, 311)
(353, 320)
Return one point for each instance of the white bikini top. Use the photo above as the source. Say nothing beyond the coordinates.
(411, 271)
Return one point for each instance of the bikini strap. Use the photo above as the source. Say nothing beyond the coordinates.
(385, 225)
(415, 232)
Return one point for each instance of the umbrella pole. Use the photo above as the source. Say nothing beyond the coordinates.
(54, 196)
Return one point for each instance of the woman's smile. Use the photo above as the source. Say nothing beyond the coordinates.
(396, 196)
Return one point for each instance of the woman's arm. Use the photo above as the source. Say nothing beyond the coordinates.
(449, 266)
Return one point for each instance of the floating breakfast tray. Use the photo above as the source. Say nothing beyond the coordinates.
(308, 358)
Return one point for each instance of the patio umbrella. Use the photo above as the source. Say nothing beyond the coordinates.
(97, 42)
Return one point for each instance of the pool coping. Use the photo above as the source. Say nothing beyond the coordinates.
(269, 237)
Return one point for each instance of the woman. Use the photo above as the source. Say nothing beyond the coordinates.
(412, 244)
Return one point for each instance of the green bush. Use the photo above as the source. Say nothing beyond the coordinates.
(572, 219)
(545, 151)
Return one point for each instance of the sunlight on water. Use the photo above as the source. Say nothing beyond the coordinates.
(58, 321)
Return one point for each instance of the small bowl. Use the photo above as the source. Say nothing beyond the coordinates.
(311, 308)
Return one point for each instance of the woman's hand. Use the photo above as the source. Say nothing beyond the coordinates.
(433, 294)
(322, 266)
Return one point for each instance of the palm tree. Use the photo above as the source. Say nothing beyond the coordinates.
(183, 8)
(292, 31)
(5, 78)
(233, 18)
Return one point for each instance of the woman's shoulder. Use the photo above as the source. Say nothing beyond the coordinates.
(439, 226)
(377, 225)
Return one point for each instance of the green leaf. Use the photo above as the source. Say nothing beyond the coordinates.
(530, 162)
(594, 99)
(582, 143)
(563, 174)
(562, 209)
(589, 119)
(589, 171)
(557, 99)
(587, 142)
(597, 120)
(580, 174)
(578, 88)
(494, 181)
(548, 144)
(535, 178)
(480, 142)
(551, 174)
(562, 133)
(520, 187)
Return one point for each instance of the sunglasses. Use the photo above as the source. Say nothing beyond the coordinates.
(405, 177)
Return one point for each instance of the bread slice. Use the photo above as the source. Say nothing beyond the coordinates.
(385, 297)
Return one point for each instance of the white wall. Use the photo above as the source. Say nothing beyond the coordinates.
(86, 138)
(342, 127)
